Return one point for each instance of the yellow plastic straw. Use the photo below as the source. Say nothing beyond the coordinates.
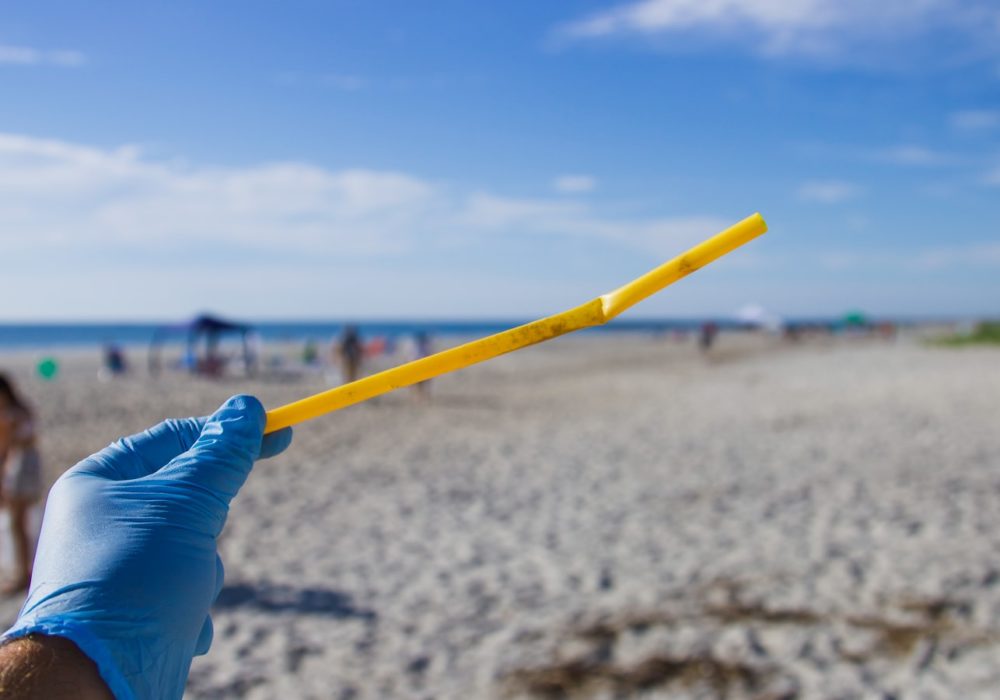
(593, 313)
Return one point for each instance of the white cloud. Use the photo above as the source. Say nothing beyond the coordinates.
(975, 255)
(100, 201)
(347, 82)
(58, 193)
(916, 259)
(914, 155)
(575, 184)
(343, 82)
(839, 260)
(662, 237)
(976, 119)
(828, 191)
(992, 178)
(911, 155)
(489, 211)
(27, 56)
(655, 16)
(939, 190)
(80, 223)
(822, 28)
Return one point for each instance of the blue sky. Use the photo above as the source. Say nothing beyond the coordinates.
(496, 159)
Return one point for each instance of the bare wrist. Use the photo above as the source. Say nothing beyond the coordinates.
(40, 666)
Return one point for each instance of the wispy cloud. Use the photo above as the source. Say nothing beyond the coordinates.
(28, 56)
(828, 191)
(915, 155)
(992, 178)
(72, 196)
(347, 82)
(820, 28)
(661, 236)
(976, 255)
(69, 197)
(575, 184)
(80, 223)
(919, 259)
(838, 260)
(975, 119)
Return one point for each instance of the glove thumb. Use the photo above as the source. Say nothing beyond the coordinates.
(223, 455)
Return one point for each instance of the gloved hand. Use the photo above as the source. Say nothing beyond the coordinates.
(127, 566)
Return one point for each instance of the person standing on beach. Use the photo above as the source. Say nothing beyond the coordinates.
(350, 351)
(20, 477)
(421, 349)
(707, 338)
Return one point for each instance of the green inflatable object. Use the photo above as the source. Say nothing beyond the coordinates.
(48, 368)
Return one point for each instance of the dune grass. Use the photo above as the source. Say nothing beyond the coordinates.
(985, 333)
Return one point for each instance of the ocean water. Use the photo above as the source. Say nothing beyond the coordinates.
(31, 336)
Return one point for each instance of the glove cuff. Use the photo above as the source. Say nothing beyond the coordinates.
(90, 645)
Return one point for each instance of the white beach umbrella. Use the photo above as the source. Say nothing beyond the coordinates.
(759, 317)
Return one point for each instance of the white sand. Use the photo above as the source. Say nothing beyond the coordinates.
(607, 517)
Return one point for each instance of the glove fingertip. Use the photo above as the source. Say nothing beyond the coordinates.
(205, 637)
(246, 404)
(275, 443)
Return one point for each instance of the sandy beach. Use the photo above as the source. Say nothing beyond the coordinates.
(606, 516)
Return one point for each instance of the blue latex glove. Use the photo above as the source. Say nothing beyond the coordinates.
(127, 566)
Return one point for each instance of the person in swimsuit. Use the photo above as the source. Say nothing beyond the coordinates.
(20, 477)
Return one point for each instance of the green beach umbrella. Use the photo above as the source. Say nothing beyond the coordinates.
(855, 318)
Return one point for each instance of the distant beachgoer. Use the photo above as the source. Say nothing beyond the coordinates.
(887, 330)
(253, 351)
(20, 477)
(422, 348)
(115, 363)
(214, 362)
(376, 347)
(708, 332)
(350, 351)
(310, 353)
